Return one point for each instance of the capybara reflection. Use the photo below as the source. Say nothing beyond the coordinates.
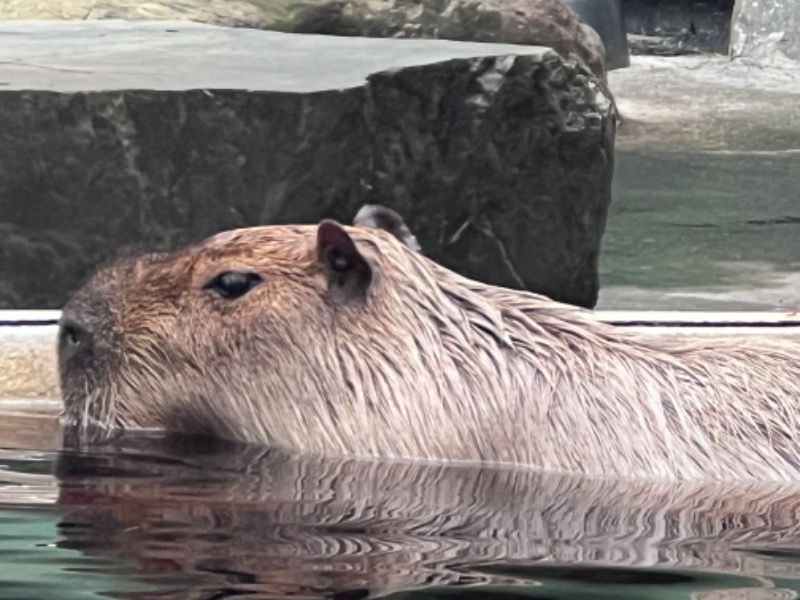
(252, 521)
(332, 340)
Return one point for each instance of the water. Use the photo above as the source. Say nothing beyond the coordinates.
(706, 202)
(154, 517)
(703, 231)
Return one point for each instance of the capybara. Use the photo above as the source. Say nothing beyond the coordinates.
(333, 340)
(382, 217)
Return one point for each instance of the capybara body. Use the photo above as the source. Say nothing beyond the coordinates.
(330, 340)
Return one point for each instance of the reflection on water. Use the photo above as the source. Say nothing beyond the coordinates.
(177, 518)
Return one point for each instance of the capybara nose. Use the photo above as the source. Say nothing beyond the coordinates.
(74, 338)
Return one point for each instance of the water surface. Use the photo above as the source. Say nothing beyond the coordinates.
(703, 231)
(706, 202)
(153, 517)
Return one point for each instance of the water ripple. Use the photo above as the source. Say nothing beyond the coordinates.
(155, 518)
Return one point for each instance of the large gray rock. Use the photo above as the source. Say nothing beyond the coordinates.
(534, 22)
(115, 133)
(765, 27)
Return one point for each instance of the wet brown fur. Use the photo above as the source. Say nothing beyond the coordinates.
(426, 365)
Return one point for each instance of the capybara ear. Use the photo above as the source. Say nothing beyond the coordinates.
(349, 273)
(376, 216)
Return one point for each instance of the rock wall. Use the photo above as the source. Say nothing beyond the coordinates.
(674, 27)
(764, 27)
(533, 22)
(500, 157)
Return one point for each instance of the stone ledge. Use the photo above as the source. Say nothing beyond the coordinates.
(109, 55)
(707, 104)
(28, 368)
(766, 29)
(531, 22)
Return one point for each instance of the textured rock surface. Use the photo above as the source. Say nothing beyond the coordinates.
(219, 12)
(532, 22)
(674, 27)
(115, 134)
(766, 27)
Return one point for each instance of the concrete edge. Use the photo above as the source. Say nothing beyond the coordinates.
(29, 375)
(50, 316)
(28, 368)
(33, 317)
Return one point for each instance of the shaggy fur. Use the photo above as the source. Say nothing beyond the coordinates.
(426, 365)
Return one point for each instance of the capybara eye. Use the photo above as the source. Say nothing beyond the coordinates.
(233, 284)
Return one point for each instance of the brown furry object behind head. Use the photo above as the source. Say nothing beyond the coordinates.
(342, 341)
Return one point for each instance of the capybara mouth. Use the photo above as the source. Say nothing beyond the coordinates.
(80, 433)
(86, 419)
(86, 362)
(84, 415)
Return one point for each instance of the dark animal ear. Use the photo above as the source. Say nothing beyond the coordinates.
(376, 216)
(349, 274)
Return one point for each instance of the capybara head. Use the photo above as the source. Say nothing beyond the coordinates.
(199, 339)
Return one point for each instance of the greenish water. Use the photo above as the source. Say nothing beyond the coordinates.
(181, 518)
(686, 224)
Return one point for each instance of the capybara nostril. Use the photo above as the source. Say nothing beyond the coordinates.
(73, 338)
